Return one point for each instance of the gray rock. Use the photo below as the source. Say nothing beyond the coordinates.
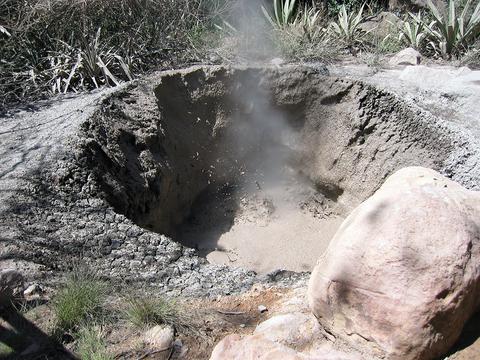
(33, 289)
(408, 56)
(11, 286)
(382, 24)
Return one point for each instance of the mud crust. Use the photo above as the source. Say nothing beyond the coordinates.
(109, 187)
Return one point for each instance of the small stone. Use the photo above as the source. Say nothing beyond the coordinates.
(159, 337)
(262, 309)
(33, 289)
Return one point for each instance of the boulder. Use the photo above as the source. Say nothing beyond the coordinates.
(234, 347)
(382, 24)
(402, 275)
(408, 56)
(11, 286)
(292, 336)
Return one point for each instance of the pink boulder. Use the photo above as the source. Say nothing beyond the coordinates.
(402, 275)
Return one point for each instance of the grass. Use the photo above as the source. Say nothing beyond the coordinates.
(472, 58)
(91, 344)
(145, 311)
(56, 46)
(5, 350)
(79, 301)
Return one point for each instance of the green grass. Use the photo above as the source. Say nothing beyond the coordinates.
(56, 46)
(91, 344)
(5, 350)
(144, 311)
(79, 301)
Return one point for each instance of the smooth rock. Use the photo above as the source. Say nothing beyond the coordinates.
(257, 347)
(160, 337)
(292, 329)
(382, 24)
(408, 56)
(11, 285)
(402, 275)
(290, 336)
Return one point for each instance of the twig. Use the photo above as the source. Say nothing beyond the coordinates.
(231, 312)
(154, 352)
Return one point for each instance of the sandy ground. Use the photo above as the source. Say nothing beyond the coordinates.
(292, 240)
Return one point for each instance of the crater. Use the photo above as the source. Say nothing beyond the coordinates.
(253, 167)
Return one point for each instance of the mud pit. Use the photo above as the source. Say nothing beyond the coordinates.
(254, 167)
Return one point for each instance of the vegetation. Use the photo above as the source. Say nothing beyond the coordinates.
(414, 32)
(452, 34)
(55, 46)
(145, 311)
(79, 302)
(91, 344)
(283, 12)
(59, 46)
(472, 58)
(347, 26)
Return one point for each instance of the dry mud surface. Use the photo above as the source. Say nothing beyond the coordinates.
(171, 178)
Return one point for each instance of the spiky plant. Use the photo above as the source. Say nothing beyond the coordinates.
(284, 12)
(414, 32)
(307, 25)
(347, 26)
(452, 33)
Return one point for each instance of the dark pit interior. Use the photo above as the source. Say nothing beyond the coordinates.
(253, 167)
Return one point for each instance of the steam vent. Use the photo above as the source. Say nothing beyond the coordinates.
(250, 167)
(308, 214)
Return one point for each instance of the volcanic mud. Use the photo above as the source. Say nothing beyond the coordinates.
(197, 180)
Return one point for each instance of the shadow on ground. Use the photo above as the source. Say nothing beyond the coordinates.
(22, 339)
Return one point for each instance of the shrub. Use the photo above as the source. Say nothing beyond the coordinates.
(51, 46)
(472, 58)
(305, 36)
(334, 6)
(284, 12)
(347, 28)
(414, 33)
(79, 301)
(91, 344)
(452, 34)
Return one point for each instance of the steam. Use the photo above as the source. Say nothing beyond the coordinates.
(253, 40)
